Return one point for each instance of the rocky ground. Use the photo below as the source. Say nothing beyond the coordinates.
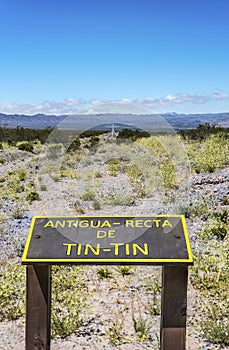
(112, 300)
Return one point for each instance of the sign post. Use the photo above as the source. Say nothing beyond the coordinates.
(38, 307)
(161, 240)
(173, 307)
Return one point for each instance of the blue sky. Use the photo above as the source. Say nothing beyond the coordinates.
(59, 56)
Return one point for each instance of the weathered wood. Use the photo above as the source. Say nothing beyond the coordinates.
(38, 307)
(173, 307)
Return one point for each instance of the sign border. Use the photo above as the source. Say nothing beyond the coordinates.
(117, 261)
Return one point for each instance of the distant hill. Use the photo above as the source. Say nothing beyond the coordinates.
(189, 121)
(38, 121)
(177, 121)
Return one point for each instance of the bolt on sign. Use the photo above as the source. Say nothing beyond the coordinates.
(159, 240)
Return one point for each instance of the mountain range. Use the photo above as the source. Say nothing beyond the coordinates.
(176, 121)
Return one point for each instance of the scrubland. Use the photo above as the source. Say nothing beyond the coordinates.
(118, 307)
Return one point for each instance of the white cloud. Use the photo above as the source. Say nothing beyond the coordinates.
(220, 96)
(72, 106)
(171, 97)
(125, 100)
(96, 102)
(69, 106)
(73, 102)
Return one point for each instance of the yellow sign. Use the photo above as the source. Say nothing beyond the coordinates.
(158, 240)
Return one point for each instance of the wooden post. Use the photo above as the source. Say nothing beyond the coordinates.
(173, 307)
(38, 307)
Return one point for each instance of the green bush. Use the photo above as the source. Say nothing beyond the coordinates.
(21, 174)
(94, 141)
(113, 166)
(97, 174)
(141, 326)
(115, 333)
(225, 200)
(132, 135)
(124, 270)
(104, 272)
(70, 173)
(33, 196)
(74, 146)
(18, 211)
(25, 146)
(118, 200)
(133, 172)
(88, 195)
(217, 223)
(209, 154)
(216, 226)
(43, 187)
(169, 174)
(112, 169)
(202, 132)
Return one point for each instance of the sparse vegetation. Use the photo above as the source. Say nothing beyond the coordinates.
(225, 200)
(22, 173)
(169, 174)
(141, 326)
(113, 166)
(124, 270)
(118, 200)
(217, 226)
(12, 287)
(104, 272)
(133, 172)
(32, 196)
(97, 174)
(96, 205)
(146, 163)
(56, 177)
(11, 136)
(69, 303)
(88, 195)
(54, 151)
(43, 187)
(132, 135)
(74, 146)
(18, 211)
(115, 332)
(25, 146)
(68, 296)
(202, 132)
(209, 154)
(201, 207)
(210, 275)
(70, 173)
(215, 324)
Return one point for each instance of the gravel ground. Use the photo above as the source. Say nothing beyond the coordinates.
(109, 300)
